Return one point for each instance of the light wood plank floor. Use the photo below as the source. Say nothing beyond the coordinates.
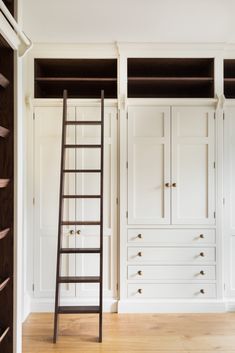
(131, 333)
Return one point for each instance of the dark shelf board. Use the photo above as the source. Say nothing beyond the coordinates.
(76, 79)
(170, 79)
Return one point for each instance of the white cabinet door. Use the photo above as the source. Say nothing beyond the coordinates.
(89, 209)
(148, 165)
(47, 152)
(193, 157)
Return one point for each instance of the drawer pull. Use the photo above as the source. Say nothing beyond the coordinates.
(71, 232)
(140, 273)
(4, 334)
(202, 273)
(140, 291)
(78, 232)
(202, 254)
(139, 236)
(202, 291)
(167, 185)
(4, 283)
(174, 185)
(139, 253)
(201, 236)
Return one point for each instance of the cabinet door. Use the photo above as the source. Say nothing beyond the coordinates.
(47, 154)
(148, 165)
(193, 157)
(89, 209)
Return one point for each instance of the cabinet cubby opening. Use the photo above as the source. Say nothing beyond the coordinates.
(229, 78)
(83, 78)
(170, 78)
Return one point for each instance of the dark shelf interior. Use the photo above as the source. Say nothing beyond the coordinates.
(83, 78)
(170, 78)
(229, 78)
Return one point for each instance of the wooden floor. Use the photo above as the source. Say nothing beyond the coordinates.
(130, 333)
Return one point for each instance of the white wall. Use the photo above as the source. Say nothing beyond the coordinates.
(129, 20)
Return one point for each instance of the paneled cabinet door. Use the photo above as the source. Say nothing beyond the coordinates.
(148, 165)
(193, 172)
(89, 209)
(47, 152)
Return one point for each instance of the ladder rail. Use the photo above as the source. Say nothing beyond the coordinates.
(101, 217)
(62, 162)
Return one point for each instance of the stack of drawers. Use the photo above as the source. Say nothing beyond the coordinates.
(171, 263)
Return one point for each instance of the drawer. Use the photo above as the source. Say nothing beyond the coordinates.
(169, 255)
(197, 273)
(178, 236)
(168, 290)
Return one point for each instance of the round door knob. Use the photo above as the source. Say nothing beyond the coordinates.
(140, 291)
(174, 185)
(140, 273)
(202, 236)
(202, 291)
(202, 273)
(202, 254)
(140, 253)
(78, 232)
(71, 232)
(139, 236)
(167, 185)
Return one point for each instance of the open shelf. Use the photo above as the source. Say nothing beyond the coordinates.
(170, 78)
(83, 78)
(229, 78)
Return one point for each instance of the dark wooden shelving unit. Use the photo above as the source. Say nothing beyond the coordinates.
(83, 78)
(229, 78)
(170, 78)
(6, 195)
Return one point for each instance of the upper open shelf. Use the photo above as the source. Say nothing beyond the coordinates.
(229, 78)
(170, 78)
(83, 78)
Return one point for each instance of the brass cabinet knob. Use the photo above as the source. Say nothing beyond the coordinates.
(202, 291)
(78, 232)
(202, 254)
(174, 185)
(202, 273)
(202, 236)
(140, 253)
(167, 185)
(140, 273)
(140, 291)
(139, 236)
(71, 232)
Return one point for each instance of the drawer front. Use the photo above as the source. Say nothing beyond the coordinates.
(164, 291)
(197, 273)
(171, 255)
(165, 236)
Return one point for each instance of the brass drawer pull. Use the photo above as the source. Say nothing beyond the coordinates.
(202, 254)
(4, 334)
(139, 236)
(202, 236)
(4, 283)
(71, 232)
(174, 185)
(167, 185)
(202, 291)
(78, 232)
(202, 273)
(140, 291)
(139, 253)
(140, 273)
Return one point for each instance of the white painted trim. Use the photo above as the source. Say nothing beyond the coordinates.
(37, 102)
(48, 305)
(148, 306)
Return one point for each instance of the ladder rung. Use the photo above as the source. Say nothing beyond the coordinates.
(85, 122)
(80, 250)
(82, 146)
(81, 196)
(78, 309)
(3, 131)
(82, 223)
(79, 279)
(82, 170)
(4, 232)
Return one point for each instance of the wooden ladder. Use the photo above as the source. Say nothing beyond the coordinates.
(60, 250)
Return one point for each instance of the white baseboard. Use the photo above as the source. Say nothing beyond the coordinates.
(230, 305)
(127, 306)
(47, 304)
(26, 309)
